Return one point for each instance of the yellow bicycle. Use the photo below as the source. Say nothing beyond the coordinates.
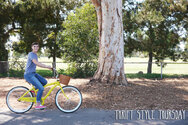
(68, 99)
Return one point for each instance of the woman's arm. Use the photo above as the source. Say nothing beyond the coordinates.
(40, 64)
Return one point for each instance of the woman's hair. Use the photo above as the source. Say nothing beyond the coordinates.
(34, 43)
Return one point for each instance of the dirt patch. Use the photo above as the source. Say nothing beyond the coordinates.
(139, 94)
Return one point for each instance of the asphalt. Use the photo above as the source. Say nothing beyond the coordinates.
(94, 117)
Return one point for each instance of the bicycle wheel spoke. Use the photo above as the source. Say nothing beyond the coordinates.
(13, 100)
(71, 102)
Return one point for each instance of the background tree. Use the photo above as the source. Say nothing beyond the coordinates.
(41, 21)
(37, 22)
(184, 53)
(158, 29)
(33, 21)
(7, 27)
(130, 27)
(111, 45)
(79, 41)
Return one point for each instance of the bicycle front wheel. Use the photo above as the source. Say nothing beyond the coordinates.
(70, 100)
(14, 104)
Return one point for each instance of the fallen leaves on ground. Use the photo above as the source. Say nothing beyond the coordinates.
(139, 94)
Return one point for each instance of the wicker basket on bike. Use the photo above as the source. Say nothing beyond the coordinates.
(63, 79)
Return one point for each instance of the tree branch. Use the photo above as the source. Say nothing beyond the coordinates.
(96, 3)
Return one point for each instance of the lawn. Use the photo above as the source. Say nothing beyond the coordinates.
(132, 66)
(136, 64)
(168, 69)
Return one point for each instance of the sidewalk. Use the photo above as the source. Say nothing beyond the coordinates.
(84, 117)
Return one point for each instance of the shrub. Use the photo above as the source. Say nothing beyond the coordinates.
(79, 41)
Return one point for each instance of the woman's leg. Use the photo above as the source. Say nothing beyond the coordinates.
(41, 79)
(34, 81)
(31, 78)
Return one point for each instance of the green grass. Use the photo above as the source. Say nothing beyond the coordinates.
(168, 69)
(171, 69)
(3, 75)
(131, 69)
(20, 74)
(48, 73)
(155, 76)
(15, 73)
(45, 73)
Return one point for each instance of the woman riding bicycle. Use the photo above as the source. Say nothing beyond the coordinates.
(32, 77)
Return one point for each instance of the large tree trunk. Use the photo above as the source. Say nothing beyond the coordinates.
(4, 67)
(3, 57)
(152, 36)
(111, 44)
(149, 70)
(54, 54)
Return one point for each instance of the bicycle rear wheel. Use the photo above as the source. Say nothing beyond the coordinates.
(69, 103)
(12, 100)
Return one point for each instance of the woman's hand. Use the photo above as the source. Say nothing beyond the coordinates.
(49, 67)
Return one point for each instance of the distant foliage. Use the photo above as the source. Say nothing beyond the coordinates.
(154, 27)
(80, 41)
(16, 66)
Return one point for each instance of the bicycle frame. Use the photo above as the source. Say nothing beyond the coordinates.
(33, 99)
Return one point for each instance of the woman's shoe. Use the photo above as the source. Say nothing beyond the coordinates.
(40, 107)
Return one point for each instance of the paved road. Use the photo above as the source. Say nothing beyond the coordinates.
(89, 117)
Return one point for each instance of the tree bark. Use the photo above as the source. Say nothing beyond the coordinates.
(149, 69)
(4, 67)
(3, 56)
(152, 36)
(54, 55)
(111, 44)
